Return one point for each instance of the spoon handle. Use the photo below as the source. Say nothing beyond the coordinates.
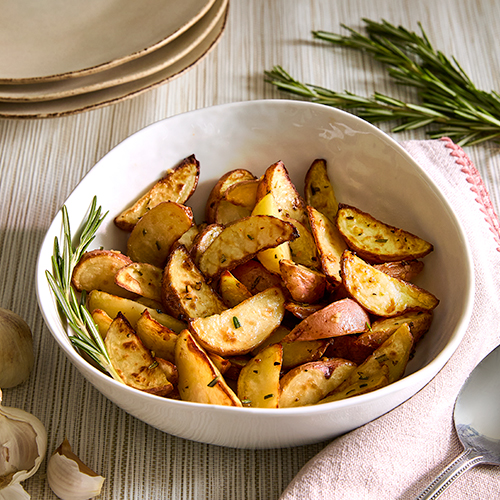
(461, 464)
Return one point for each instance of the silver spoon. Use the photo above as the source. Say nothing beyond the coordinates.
(477, 422)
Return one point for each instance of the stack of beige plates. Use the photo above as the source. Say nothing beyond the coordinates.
(61, 57)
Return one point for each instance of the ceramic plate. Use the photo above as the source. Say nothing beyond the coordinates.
(112, 95)
(367, 168)
(54, 39)
(141, 67)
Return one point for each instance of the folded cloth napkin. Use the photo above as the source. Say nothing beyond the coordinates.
(398, 454)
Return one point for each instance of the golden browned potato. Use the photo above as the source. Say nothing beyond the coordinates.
(156, 337)
(102, 321)
(318, 190)
(203, 240)
(375, 241)
(142, 279)
(185, 293)
(241, 241)
(351, 348)
(298, 353)
(276, 180)
(304, 284)
(177, 185)
(379, 293)
(301, 310)
(132, 361)
(131, 309)
(418, 321)
(308, 383)
(339, 318)
(243, 193)
(384, 366)
(188, 238)
(221, 186)
(240, 329)
(228, 212)
(259, 380)
(199, 379)
(405, 270)
(152, 237)
(169, 369)
(303, 248)
(232, 290)
(96, 270)
(271, 258)
(255, 277)
(329, 243)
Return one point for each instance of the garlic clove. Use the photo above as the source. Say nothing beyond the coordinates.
(69, 478)
(23, 444)
(14, 492)
(16, 349)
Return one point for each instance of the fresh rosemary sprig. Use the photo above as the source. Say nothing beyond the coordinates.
(448, 99)
(87, 338)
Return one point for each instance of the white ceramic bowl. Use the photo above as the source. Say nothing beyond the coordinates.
(367, 168)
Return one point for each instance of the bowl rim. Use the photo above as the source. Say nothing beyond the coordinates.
(420, 377)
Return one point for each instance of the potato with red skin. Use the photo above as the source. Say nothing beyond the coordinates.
(304, 284)
(343, 317)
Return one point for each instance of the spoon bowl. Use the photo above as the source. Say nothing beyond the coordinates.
(477, 422)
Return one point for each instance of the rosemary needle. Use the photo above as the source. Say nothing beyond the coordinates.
(447, 98)
(87, 338)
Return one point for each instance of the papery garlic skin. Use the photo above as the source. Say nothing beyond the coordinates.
(23, 444)
(69, 478)
(14, 492)
(16, 349)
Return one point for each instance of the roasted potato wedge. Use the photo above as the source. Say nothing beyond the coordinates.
(405, 270)
(259, 380)
(304, 284)
(308, 383)
(329, 243)
(376, 241)
(170, 371)
(152, 237)
(232, 290)
(96, 270)
(177, 185)
(222, 185)
(156, 337)
(343, 317)
(301, 310)
(203, 240)
(188, 238)
(241, 241)
(102, 320)
(271, 258)
(303, 248)
(240, 329)
(141, 279)
(255, 277)
(360, 385)
(419, 323)
(185, 293)
(318, 190)
(351, 348)
(228, 212)
(276, 180)
(379, 293)
(132, 361)
(131, 309)
(299, 353)
(387, 362)
(243, 193)
(199, 379)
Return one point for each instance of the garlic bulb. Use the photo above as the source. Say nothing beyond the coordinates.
(16, 349)
(23, 443)
(69, 478)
